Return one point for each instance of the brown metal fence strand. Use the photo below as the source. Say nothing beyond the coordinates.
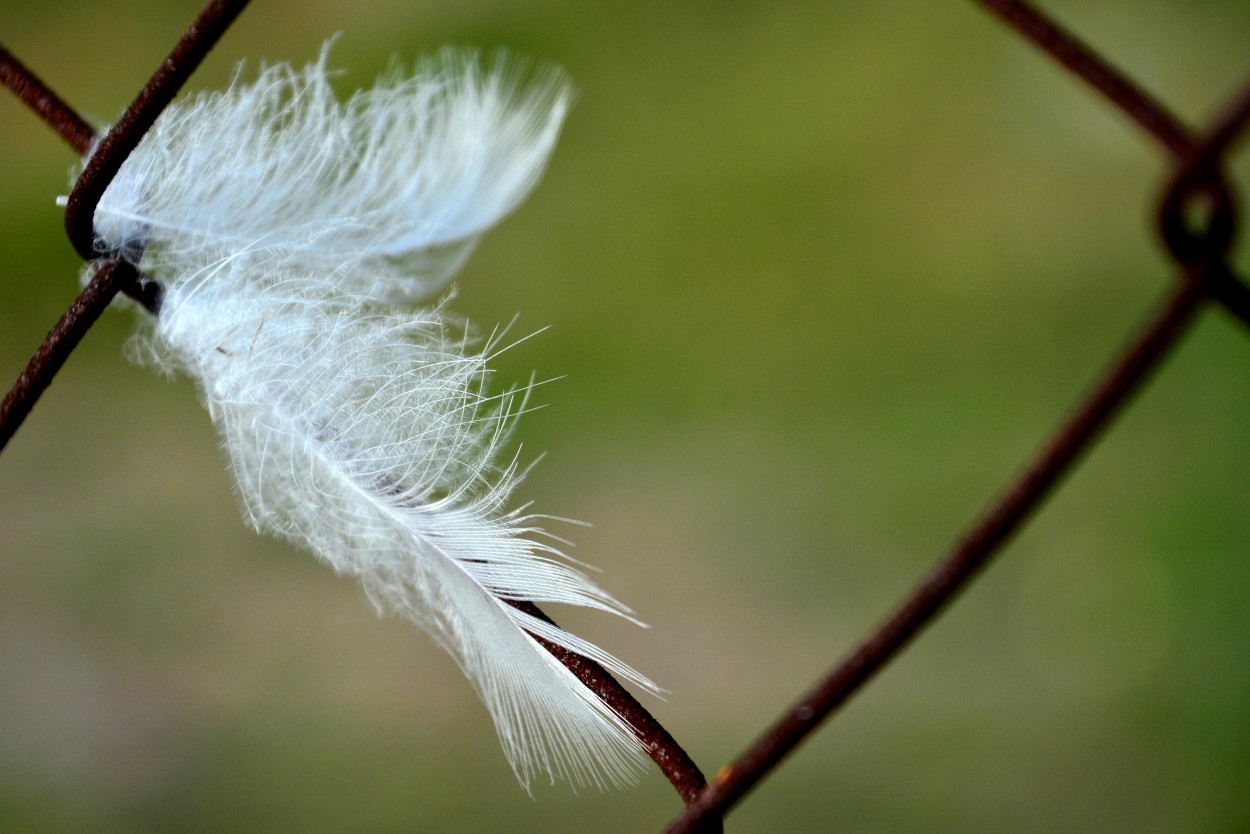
(976, 548)
(110, 276)
(114, 275)
(48, 105)
(1084, 62)
(1207, 232)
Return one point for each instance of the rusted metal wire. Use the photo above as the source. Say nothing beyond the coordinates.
(115, 274)
(953, 573)
(110, 276)
(1085, 63)
(48, 105)
(1199, 252)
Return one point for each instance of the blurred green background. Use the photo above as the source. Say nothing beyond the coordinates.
(819, 278)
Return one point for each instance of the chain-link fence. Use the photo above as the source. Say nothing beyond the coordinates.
(1196, 218)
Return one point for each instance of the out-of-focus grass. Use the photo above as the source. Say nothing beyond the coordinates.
(819, 278)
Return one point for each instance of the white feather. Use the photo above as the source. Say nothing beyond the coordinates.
(281, 224)
(400, 179)
(369, 439)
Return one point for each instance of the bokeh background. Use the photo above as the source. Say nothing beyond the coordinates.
(819, 277)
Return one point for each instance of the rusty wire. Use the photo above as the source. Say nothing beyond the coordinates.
(1197, 188)
(111, 274)
(50, 107)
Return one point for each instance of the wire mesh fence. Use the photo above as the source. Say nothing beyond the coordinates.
(1196, 217)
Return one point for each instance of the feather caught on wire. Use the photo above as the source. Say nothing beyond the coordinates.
(285, 226)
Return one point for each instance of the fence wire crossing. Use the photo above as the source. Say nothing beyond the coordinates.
(1196, 220)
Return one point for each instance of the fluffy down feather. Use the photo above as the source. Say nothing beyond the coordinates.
(283, 224)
